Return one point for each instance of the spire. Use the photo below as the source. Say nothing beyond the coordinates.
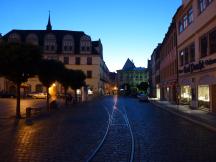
(49, 26)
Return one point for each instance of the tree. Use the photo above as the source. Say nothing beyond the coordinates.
(66, 79)
(78, 81)
(143, 86)
(49, 72)
(18, 62)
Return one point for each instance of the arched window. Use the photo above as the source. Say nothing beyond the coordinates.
(32, 39)
(50, 45)
(85, 44)
(14, 37)
(68, 44)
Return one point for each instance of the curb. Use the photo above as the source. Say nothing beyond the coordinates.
(187, 117)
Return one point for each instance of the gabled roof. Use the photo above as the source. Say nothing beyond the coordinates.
(129, 65)
(59, 34)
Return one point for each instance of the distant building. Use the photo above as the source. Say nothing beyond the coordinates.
(130, 75)
(154, 75)
(73, 48)
(113, 83)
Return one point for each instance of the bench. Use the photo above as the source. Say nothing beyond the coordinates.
(33, 111)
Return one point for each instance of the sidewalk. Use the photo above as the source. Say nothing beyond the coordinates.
(200, 117)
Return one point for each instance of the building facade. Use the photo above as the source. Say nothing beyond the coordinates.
(196, 47)
(131, 76)
(168, 64)
(73, 48)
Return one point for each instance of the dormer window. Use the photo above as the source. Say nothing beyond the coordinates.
(50, 45)
(32, 39)
(68, 44)
(85, 45)
(14, 37)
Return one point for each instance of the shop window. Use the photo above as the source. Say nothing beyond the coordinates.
(204, 46)
(203, 96)
(185, 95)
(212, 41)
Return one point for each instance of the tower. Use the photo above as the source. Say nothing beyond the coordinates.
(49, 26)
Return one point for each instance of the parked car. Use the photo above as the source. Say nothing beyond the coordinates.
(142, 97)
(37, 95)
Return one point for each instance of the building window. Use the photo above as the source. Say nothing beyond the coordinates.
(182, 58)
(190, 15)
(203, 4)
(50, 44)
(204, 46)
(67, 44)
(192, 52)
(66, 60)
(186, 56)
(89, 61)
(181, 28)
(89, 74)
(77, 60)
(212, 41)
(185, 21)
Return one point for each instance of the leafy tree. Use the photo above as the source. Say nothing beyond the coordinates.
(49, 72)
(18, 62)
(78, 81)
(143, 86)
(66, 79)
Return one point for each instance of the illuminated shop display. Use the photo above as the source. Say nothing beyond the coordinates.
(186, 94)
(203, 96)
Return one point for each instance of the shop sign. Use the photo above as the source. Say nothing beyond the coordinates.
(199, 66)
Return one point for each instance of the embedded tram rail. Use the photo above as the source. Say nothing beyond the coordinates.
(117, 143)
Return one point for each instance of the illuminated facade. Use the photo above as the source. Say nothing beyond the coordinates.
(196, 28)
(73, 48)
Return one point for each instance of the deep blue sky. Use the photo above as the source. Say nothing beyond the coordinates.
(127, 28)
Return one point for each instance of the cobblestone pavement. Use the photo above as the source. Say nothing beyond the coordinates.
(117, 145)
(163, 137)
(65, 135)
(71, 134)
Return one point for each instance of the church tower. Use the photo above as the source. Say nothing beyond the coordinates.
(49, 26)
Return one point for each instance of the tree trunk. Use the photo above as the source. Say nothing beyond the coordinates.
(18, 114)
(47, 101)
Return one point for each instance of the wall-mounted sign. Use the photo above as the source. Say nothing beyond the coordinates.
(198, 66)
